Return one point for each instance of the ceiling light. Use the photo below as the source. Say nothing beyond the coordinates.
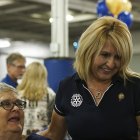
(35, 15)
(4, 2)
(4, 43)
(68, 18)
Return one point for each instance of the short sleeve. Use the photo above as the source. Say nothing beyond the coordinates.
(59, 101)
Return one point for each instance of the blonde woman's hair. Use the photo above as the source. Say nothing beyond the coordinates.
(34, 82)
(93, 40)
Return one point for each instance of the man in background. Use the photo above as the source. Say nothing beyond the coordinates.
(15, 69)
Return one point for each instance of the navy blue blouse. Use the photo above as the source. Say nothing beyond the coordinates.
(113, 118)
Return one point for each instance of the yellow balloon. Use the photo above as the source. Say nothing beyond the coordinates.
(115, 6)
(127, 6)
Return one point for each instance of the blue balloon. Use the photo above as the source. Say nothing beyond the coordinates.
(101, 8)
(126, 17)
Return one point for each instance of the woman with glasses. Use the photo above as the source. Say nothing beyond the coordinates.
(12, 115)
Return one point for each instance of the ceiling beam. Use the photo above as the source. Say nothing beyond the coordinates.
(17, 35)
(85, 6)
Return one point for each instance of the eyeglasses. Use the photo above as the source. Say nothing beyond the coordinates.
(19, 66)
(9, 105)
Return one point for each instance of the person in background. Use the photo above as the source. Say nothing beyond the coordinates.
(39, 96)
(12, 115)
(15, 63)
(101, 101)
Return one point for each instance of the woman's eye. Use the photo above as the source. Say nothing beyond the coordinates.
(6, 103)
(105, 55)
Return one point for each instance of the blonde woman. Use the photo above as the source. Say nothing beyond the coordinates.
(102, 100)
(39, 97)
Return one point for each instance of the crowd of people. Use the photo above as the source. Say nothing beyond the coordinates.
(32, 89)
(100, 101)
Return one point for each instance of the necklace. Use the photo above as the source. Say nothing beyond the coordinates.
(98, 95)
(98, 92)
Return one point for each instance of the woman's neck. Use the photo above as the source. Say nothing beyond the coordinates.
(97, 83)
